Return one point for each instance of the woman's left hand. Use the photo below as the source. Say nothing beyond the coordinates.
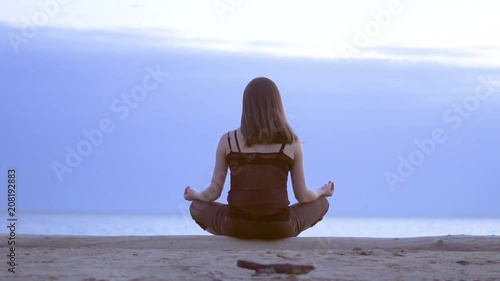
(190, 194)
(328, 188)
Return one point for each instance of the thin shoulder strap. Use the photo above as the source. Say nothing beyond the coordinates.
(236, 139)
(229, 141)
(282, 147)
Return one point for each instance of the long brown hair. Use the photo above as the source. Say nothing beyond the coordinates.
(263, 120)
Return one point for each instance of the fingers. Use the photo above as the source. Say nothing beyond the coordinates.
(331, 184)
(187, 192)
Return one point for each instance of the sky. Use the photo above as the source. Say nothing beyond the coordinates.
(116, 107)
(392, 29)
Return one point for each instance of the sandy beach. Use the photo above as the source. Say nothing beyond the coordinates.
(92, 258)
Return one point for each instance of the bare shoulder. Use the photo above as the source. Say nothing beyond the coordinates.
(224, 141)
(293, 149)
(297, 145)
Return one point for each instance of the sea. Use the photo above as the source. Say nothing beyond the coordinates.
(152, 225)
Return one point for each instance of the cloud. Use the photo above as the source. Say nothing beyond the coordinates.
(239, 37)
(423, 52)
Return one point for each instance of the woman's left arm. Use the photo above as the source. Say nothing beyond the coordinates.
(214, 190)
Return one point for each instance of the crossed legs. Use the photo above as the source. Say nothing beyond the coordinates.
(211, 216)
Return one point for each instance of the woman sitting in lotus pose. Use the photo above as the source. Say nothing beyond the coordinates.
(259, 155)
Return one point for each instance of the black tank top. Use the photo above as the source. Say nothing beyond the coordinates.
(258, 184)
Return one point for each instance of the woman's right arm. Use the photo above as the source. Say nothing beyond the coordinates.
(300, 190)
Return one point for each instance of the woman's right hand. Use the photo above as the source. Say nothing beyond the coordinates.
(190, 194)
(327, 189)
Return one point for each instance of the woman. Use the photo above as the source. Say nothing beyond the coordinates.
(259, 154)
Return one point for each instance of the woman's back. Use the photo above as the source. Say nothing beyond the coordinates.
(258, 181)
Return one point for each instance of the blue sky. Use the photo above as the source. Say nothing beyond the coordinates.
(361, 116)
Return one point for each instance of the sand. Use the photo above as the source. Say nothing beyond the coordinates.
(179, 258)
